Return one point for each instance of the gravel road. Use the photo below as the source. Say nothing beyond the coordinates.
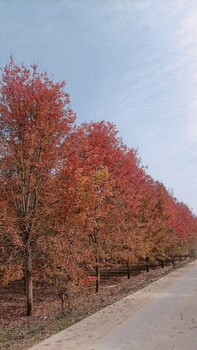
(161, 316)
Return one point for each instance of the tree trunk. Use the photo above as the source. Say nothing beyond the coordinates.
(29, 280)
(162, 263)
(147, 264)
(173, 263)
(98, 275)
(24, 283)
(128, 269)
(62, 306)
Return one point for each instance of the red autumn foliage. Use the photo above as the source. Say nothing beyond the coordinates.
(35, 119)
(74, 199)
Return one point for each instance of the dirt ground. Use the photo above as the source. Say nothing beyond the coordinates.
(18, 332)
(160, 316)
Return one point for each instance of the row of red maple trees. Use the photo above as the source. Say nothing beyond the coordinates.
(74, 198)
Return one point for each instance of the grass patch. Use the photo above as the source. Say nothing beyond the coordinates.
(12, 338)
(32, 330)
(64, 325)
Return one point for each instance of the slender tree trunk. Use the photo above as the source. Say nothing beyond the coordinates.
(62, 306)
(128, 269)
(162, 263)
(98, 274)
(147, 264)
(29, 280)
(24, 282)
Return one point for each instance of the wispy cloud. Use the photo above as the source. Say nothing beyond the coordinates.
(133, 62)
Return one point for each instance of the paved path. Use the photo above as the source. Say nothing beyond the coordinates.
(161, 316)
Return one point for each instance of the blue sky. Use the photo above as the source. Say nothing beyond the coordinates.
(131, 62)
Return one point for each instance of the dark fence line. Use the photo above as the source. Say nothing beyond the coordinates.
(122, 270)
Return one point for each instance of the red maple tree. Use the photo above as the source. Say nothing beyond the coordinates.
(35, 121)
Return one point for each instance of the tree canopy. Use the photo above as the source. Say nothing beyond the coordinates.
(74, 198)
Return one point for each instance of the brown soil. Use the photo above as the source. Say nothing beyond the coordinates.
(18, 332)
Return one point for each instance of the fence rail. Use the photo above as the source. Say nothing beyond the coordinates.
(122, 270)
